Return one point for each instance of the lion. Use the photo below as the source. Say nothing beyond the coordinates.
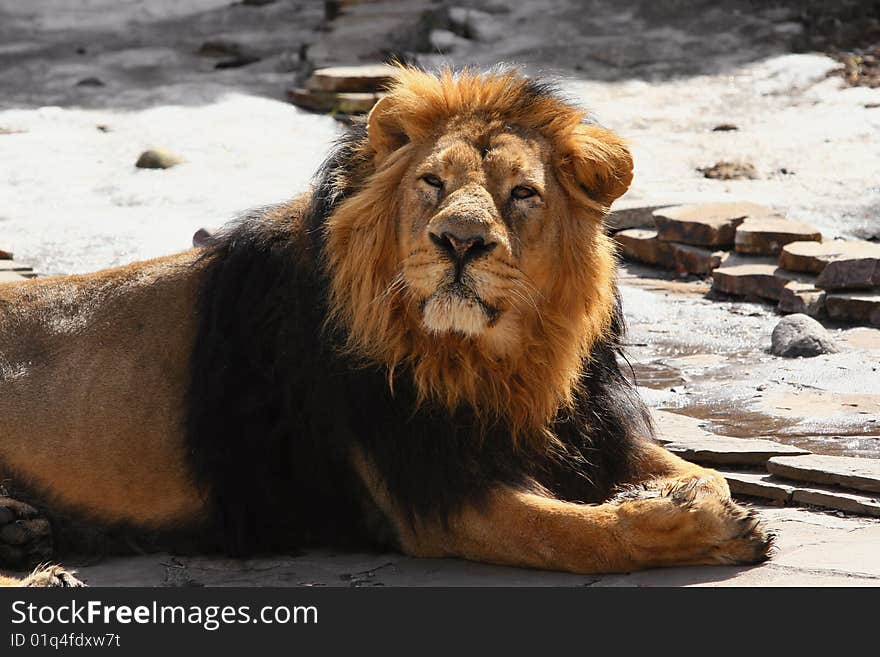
(419, 352)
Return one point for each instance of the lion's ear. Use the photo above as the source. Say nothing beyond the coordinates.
(596, 163)
(385, 129)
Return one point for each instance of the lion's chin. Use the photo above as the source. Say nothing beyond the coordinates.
(447, 312)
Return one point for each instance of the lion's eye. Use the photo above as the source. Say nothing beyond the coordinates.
(433, 180)
(521, 191)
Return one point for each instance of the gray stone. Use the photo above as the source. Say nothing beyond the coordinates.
(861, 307)
(12, 265)
(855, 273)
(814, 256)
(473, 23)
(752, 277)
(642, 245)
(837, 499)
(780, 491)
(759, 484)
(797, 297)
(157, 158)
(708, 224)
(201, 237)
(726, 450)
(801, 335)
(767, 235)
(847, 471)
(628, 215)
(686, 437)
(343, 102)
(369, 77)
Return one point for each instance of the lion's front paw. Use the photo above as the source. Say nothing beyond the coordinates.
(25, 537)
(689, 522)
(52, 576)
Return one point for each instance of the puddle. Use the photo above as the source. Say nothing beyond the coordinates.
(654, 375)
(822, 438)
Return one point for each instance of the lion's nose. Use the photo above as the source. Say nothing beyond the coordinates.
(463, 247)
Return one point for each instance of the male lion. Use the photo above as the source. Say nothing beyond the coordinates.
(421, 352)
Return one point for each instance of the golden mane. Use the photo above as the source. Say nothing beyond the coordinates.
(525, 390)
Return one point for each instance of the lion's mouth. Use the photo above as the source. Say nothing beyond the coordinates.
(456, 308)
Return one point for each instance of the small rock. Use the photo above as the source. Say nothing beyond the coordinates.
(847, 471)
(157, 158)
(730, 171)
(202, 237)
(102, 127)
(5, 255)
(814, 256)
(370, 77)
(801, 335)
(858, 307)
(708, 224)
(767, 235)
(90, 82)
(855, 273)
(725, 127)
(752, 277)
(798, 297)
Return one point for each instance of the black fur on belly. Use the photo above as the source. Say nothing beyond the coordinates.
(274, 411)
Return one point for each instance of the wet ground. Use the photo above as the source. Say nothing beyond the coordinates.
(710, 359)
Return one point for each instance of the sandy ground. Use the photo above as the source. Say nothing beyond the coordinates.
(71, 201)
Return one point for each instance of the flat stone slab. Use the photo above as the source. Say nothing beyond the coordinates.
(846, 471)
(759, 484)
(11, 277)
(12, 265)
(708, 224)
(854, 273)
(858, 307)
(686, 437)
(347, 102)
(767, 235)
(798, 297)
(755, 484)
(369, 77)
(643, 245)
(814, 256)
(757, 277)
(625, 215)
(725, 450)
(838, 499)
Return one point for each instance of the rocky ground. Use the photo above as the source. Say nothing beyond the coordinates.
(84, 91)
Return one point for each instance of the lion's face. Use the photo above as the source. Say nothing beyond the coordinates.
(477, 233)
(468, 242)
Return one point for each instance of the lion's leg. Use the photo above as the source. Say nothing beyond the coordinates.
(658, 468)
(686, 525)
(44, 577)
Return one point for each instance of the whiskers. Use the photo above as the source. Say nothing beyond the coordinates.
(394, 289)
